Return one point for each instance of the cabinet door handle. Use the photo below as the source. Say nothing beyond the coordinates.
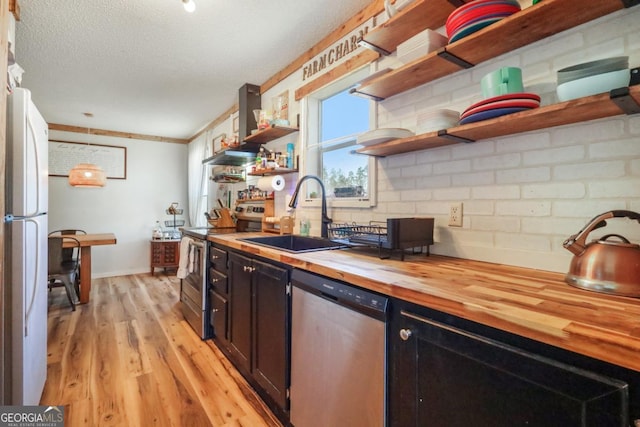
(248, 268)
(405, 334)
(214, 257)
(215, 280)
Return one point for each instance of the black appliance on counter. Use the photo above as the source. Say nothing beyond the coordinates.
(394, 234)
(193, 288)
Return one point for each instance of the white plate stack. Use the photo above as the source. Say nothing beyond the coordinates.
(431, 121)
(419, 45)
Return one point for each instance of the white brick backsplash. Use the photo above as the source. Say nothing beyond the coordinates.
(615, 149)
(389, 196)
(458, 166)
(524, 142)
(400, 160)
(552, 48)
(478, 207)
(561, 227)
(433, 156)
(494, 223)
(414, 195)
(417, 171)
(634, 124)
(473, 150)
(434, 181)
(504, 161)
(599, 130)
(468, 179)
(522, 194)
(524, 208)
(514, 176)
(529, 242)
(554, 191)
(498, 192)
(584, 209)
(619, 188)
(401, 208)
(593, 170)
(553, 156)
(454, 194)
(451, 83)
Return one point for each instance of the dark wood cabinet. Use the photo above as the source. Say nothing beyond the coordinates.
(270, 363)
(447, 372)
(240, 310)
(165, 254)
(258, 326)
(218, 294)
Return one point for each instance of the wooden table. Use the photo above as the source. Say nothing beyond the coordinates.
(86, 242)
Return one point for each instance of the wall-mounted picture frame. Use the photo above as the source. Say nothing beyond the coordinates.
(64, 155)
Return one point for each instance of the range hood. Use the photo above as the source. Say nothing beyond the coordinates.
(236, 156)
(249, 99)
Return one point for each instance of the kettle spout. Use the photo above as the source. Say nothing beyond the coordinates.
(573, 245)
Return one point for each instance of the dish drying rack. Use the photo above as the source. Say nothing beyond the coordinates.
(392, 234)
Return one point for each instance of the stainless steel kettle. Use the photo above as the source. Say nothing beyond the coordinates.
(604, 265)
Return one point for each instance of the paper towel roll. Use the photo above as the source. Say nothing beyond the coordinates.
(277, 183)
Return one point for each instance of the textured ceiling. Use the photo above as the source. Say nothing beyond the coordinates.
(149, 67)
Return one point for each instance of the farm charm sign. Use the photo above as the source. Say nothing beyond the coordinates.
(337, 53)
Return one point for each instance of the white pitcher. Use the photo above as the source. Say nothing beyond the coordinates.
(392, 9)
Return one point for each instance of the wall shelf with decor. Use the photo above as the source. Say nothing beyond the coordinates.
(271, 172)
(532, 24)
(615, 103)
(270, 133)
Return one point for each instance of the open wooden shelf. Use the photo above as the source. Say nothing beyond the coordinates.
(269, 134)
(416, 17)
(270, 172)
(534, 23)
(563, 113)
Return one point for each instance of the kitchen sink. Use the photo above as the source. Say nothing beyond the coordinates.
(295, 243)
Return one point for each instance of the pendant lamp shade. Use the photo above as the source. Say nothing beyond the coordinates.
(87, 175)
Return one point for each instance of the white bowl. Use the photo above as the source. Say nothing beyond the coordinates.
(593, 85)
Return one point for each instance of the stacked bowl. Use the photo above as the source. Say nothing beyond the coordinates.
(500, 105)
(476, 15)
(591, 78)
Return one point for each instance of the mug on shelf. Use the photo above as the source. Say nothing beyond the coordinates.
(502, 81)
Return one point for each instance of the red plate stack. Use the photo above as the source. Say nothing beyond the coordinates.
(476, 15)
(499, 106)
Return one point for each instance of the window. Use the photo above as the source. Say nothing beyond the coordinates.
(335, 119)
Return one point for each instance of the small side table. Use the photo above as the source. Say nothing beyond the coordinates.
(165, 254)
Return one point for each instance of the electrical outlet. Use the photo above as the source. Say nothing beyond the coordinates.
(455, 215)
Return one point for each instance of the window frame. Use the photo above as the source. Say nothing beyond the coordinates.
(310, 127)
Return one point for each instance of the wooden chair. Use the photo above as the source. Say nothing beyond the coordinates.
(63, 271)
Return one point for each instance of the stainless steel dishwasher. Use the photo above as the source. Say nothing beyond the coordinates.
(337, 354)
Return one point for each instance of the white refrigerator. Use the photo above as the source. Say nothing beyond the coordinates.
(27, 203)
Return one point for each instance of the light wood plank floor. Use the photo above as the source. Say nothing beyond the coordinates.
(129, 359)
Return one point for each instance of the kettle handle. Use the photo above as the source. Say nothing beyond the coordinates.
(577, 242)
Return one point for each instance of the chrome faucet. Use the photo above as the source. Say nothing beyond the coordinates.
(324, 230)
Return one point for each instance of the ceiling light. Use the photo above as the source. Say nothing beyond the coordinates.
(189, 5)
(87, 175)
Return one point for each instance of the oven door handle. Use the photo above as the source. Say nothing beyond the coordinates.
(197, 244)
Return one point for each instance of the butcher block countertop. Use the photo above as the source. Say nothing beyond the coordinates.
(531, 303)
